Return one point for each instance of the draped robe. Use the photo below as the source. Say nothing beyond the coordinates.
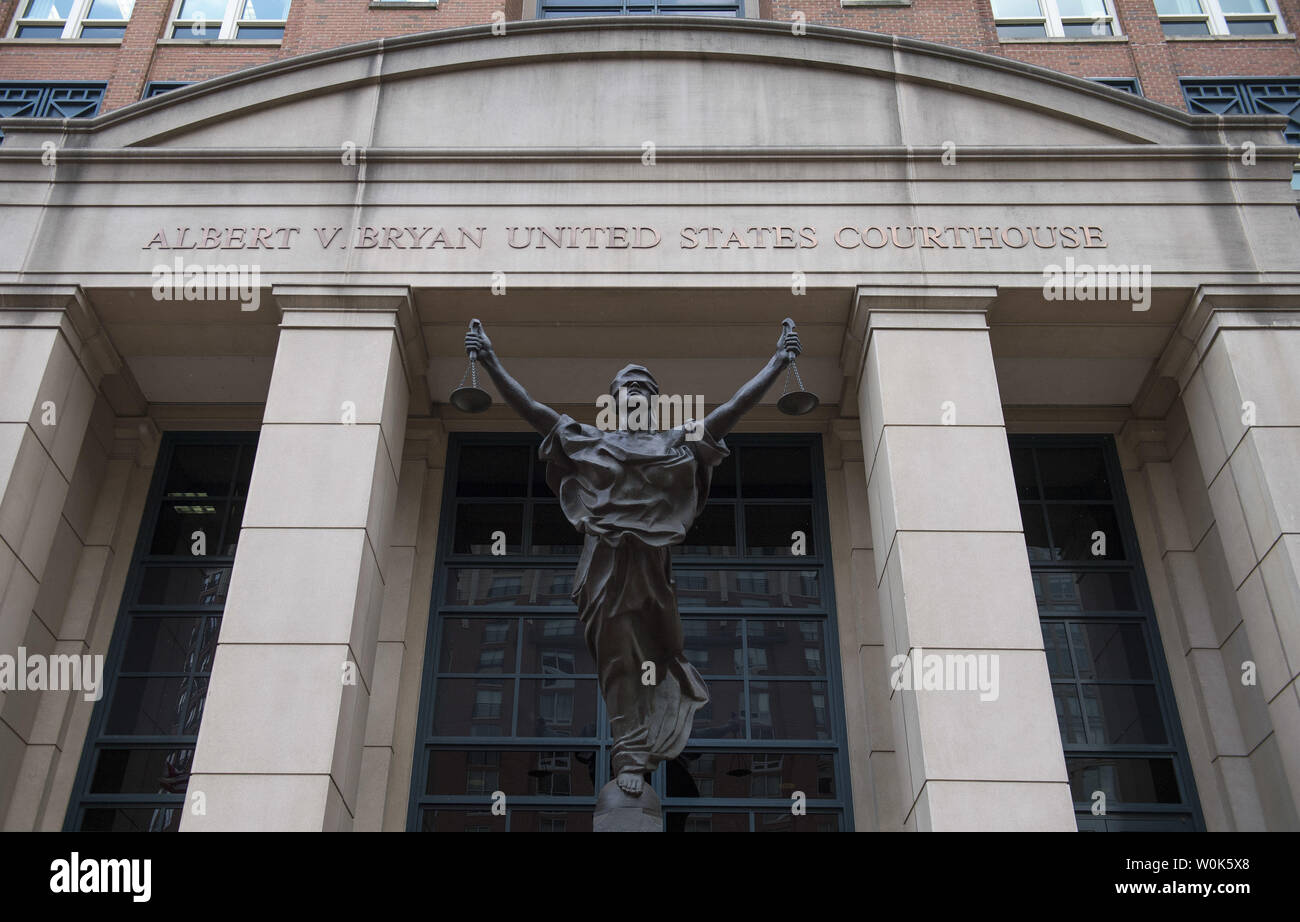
(633, 495)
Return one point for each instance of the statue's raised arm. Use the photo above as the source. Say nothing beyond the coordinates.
(722, 420)
(536, 414)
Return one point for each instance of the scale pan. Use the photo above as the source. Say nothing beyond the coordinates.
(475, 399)
(797, 403)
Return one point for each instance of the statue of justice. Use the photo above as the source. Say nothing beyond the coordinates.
(632, 492)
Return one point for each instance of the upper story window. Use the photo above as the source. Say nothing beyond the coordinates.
(554, 9)
(71, 18)
(1055, 18)
(1219, 17)
(229, 19)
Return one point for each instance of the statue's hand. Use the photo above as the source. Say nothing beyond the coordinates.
(787, 346)
(478, 341)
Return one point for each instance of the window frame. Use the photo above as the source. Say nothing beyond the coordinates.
(1217, 21)
(230, 24)
(1054, 23)
(97, 738)
(836, 746)
(73, 26)
(1143, 614)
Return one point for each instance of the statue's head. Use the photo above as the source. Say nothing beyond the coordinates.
(637, 379)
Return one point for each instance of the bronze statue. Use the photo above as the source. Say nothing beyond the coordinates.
(632, 493)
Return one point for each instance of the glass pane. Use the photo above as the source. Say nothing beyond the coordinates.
(1022, 31)
(477, 524)
(789, 711)
(158, 706)
(770, 530)
(202, 9)
(713, 534)
(723, 485)
(1085, 29)
(780, 589)
(1081, 9)
(48, 9)
(787, 822)
(171, 645)
(1067, 591)
(713, 647)
(1124, 781)
(244, 473)
(749, 774)
(723, 717)
(40, 32)
(777, 472)
(445, 819)
(1058, 652)
(556, 646)
(1073, 473)
(493, 470)
(1022, 467)
(1017, 9)
(789, 648)
(508, 587)
(110, 9)
(1035, 524)
(260, 32)
(1251, 27)
(1076, 529)
(552, 533)
(473, 707)
(103, 31)
(1069, 715)
(1123, 714)
(477, 645)
(518, 772)
(1243, 6)
(265, 9)
(200, 470)
(142, 771)
(184, 585)
(178, 523)
(1179, 7)
(557, 707)
(706, 822)
(132, 819)
(1106, 650)
(551, 820)
(1200, 27)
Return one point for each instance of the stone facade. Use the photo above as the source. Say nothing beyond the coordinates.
(885, 192)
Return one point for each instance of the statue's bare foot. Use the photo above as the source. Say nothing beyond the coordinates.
(630, 781)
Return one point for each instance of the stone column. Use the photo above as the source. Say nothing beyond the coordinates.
(280, 747)
(52, 356)
(951, 570)
(1237, 362)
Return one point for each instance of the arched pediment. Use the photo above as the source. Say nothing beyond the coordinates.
(618, 82)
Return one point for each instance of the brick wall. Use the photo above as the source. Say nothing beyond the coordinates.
(319, 24)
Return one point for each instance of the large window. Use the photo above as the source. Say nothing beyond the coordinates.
(1219, 17)
(136, 763)
(71, 18)
(1055, 18)
(510, 700)
(229, 19)
(1124, 749)
(554, 9)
